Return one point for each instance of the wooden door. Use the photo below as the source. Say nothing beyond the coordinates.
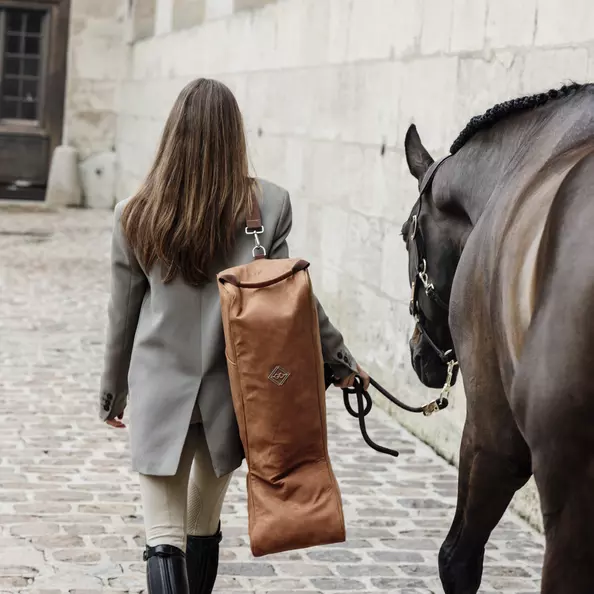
(33, 45)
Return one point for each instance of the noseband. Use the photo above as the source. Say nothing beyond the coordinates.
(421, 279)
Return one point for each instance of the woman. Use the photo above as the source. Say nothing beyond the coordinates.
(165, 343)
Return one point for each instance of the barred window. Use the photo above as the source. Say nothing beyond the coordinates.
(22, 37)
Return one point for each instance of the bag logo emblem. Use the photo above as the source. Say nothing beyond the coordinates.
(279, 375)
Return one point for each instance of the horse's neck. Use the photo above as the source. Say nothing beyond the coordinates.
(496, 164)
(509, 198)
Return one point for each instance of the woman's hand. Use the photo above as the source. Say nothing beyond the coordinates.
(117, 422)
(349, 381)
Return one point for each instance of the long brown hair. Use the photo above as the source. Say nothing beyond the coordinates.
(198, 190)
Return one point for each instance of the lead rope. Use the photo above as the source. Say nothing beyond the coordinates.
(365, 404)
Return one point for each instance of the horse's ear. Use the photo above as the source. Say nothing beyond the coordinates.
(417, 157)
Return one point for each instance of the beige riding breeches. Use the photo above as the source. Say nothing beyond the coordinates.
(189, 502)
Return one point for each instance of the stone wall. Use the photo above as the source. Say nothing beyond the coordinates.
(95, 67)
(328, 89)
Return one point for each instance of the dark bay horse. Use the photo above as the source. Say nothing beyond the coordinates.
(501, 260)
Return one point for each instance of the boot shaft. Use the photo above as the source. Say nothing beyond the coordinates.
(166, 570)
(202, 560)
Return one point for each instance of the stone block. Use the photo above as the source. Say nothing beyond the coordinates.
(107, 9)
(143, 19)
(315, 24)
(304, 569)
(406, 19)
(231, 59)
(371, 30)
(260, 43)
(396, 557)
(393, 183)
(163, 17)
(63, 185)
(298, 240)
(363, 257)
(293, 168)
(380, 191)
(394, 274)
(334, 240)
(560, 23)
(239, 5)
(366, 102)
(483, 83)
(430, 98)
(334, 555)
(313, 247)
(291, 38)
(253, 569)
(96, 58)
(127, 185)
(338, 35)
(335, 584)
(546, 69)
(511, 23)
(16, 552)
(468, 26)
(144, 64)
(98, 180)
(269, 153)
(91, 95)
(328, 120)
(216, 9)
(67, 578)
(279, 102)
(83, 26)
(334, 173)
(188, 13)
(91, 131)
(360, 570)
(34, 529)
(437, 26)
(591, 64)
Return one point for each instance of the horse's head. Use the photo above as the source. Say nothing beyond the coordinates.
(433, 235)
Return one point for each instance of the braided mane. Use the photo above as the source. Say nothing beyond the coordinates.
(502, 110)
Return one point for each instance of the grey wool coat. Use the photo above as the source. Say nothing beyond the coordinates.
(165, 350)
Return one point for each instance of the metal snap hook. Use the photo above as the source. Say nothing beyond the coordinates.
(259, 250)
(424, 277)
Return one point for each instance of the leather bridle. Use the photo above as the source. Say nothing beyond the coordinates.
(421, 279)
(448, 357)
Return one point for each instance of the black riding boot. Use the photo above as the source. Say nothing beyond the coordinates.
(166, 571)
(202, 560)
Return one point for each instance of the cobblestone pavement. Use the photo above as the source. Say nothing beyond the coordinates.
(70, 517)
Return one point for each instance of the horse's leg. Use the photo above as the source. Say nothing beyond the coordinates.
(558, 417)
(565, 478)
(494, 463)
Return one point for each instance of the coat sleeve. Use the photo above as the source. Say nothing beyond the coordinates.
(334, 350)
(128, 287)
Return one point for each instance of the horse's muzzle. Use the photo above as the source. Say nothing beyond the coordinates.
(430, 369)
